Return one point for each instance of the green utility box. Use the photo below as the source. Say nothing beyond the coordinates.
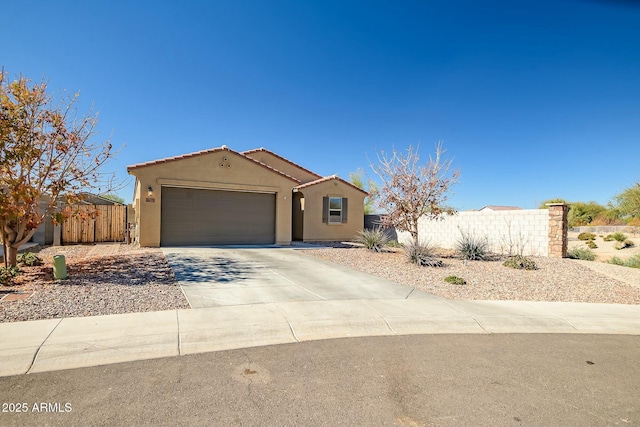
(59, 267)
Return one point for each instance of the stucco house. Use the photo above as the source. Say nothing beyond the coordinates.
(220, 196)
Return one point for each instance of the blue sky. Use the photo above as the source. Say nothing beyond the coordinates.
(533, 99)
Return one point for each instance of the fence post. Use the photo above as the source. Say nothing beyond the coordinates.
(57, 234)
(558, 229)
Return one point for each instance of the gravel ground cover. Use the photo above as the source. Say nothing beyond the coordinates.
(136, 280)
(554, 280)
(130, 280)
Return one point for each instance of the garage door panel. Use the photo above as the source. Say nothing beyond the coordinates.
(212, 217)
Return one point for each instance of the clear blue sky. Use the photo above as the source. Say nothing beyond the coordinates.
(533, 99)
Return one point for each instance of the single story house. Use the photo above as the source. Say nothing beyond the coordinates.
(220, 196)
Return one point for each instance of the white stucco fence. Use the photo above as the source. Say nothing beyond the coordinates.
(523, 232)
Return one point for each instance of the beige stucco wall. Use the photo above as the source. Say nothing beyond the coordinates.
(222, 170)
(315, 229)
(283, 166)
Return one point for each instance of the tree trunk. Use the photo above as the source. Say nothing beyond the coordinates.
(414, 237)
(13, 245)
(12, 256)
(4, 244)
(4, 253)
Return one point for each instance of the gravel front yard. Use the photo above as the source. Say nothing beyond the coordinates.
(554, 280)
(128, 280)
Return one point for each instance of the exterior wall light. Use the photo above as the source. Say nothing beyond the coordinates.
(150, 191)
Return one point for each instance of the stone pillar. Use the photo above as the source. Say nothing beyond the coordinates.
(558, 229)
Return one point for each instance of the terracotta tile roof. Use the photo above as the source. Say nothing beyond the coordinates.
(328, 178)
(255, 150)
(170, 159)
(209, 151)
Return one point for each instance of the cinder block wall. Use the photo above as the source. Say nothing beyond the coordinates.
(507, 232)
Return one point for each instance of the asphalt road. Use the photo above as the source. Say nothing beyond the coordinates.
(448, 380)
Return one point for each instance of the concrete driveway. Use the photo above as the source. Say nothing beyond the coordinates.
(212, 277)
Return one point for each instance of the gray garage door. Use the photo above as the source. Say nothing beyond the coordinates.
(211, 217)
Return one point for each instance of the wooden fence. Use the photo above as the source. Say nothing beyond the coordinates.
(96, 223)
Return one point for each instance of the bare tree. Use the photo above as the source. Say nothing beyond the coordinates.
(514, 242)
(46, 158)
(410, 190)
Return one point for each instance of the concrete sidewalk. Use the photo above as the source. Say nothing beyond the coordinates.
(48, 345)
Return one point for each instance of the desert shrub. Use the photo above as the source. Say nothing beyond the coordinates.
(586, 236)
(394, 244)
(616, 261)
(581, 253)
(520, 262)
(581, 213)
(422, 254)
(633, 262)
(472, 247)
(607, 238)
(591, 244)
(29, 259)
(618, 237)
(7, 274)
(455, 280)
(624, 244)
(374, 240)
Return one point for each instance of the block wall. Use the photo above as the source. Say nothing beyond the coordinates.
(507, 232)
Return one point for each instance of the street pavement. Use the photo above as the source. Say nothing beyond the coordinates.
(47, 345)
(417, 380)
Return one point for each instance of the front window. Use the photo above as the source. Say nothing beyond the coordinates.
(335, 210)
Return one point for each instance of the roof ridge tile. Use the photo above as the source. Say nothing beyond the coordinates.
(329, 178)
(209, 151)
(255, 150)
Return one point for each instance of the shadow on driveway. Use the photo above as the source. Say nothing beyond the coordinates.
(236, 276)
(190, 269)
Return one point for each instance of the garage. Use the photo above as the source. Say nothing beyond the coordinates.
(212, 217)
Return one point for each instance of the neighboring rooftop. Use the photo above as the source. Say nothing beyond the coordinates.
(500, 208)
